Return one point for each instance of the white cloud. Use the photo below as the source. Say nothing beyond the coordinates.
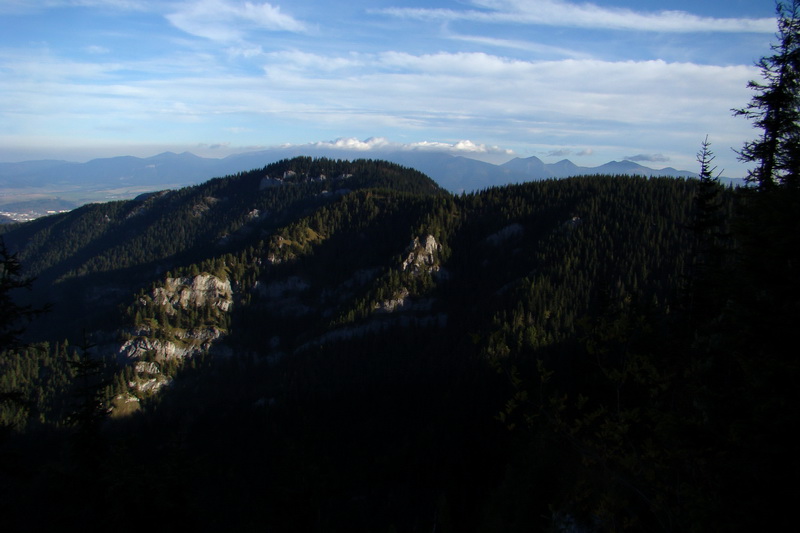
(351, 143)
(528, 46)
(267, 16)
(477, 84)
(382, 144)
(478, 90)
(299, 61)
(652, 158)
(587, 15)
(477, 64)
(465, 146)
(227, 20)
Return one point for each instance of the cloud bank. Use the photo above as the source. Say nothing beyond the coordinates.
(382, 144)
(586, 15)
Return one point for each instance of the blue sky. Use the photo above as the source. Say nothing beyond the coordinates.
(490, 79)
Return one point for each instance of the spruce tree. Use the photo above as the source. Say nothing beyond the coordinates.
(712, 247)
(768, 229)
(756, 346)
(775, 108)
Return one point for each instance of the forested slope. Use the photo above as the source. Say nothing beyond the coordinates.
(366, 352)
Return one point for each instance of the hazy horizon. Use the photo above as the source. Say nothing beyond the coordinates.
(556, 79)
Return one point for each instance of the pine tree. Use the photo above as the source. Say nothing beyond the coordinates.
(769, 230)
(708, 209)
(775, 108)
(711, 237)
(752, 347)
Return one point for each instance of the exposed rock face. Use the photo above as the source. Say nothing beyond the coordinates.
(141, 346)
(145, 367)
(423, 257)
(202, 290)
(397, 303)
(203, 206)
(148, 346)
(147, 385)
(148, 353)
(185, 344)
(149, 379)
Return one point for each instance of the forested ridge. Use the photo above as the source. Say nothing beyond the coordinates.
(325, 345)
(375, 367)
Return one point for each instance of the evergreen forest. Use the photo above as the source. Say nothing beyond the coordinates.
(329, 345)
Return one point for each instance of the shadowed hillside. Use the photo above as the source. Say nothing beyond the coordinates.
(326, 345)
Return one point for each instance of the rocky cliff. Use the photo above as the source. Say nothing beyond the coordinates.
(194, 292)
(150, 346)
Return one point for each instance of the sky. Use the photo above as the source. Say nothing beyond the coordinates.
(489, 79)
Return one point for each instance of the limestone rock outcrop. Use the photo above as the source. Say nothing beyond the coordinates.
(423, 257)
(197, 291)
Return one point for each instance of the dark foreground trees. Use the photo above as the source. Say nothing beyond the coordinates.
(13, 315)
(764, 305)
(769, 228)
(681, 421)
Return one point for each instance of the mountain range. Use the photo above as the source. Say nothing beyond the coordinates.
(26, 185)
